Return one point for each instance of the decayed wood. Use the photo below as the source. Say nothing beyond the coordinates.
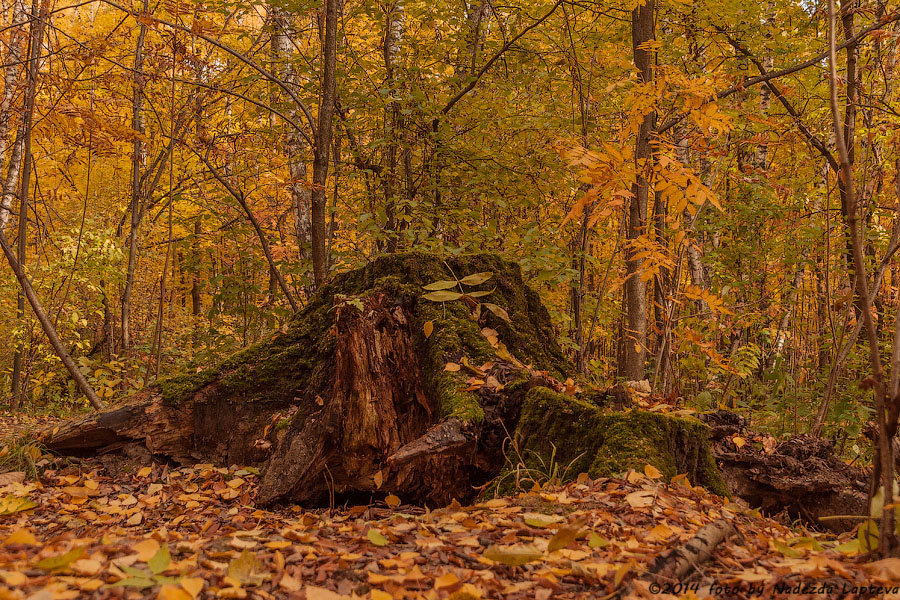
(376, 406)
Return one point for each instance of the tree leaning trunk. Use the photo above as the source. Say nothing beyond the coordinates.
(635, 350)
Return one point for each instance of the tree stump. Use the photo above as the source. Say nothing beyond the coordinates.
(376, 389)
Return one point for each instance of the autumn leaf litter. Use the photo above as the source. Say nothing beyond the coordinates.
(194, 532)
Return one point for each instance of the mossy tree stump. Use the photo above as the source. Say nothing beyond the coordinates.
(354, 397)
(579, 437)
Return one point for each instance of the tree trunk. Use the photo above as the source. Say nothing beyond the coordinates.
(296, 147)
(136, 207)
(642, 31)
(324, 132)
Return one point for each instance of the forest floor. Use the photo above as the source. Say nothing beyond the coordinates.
(92, 529)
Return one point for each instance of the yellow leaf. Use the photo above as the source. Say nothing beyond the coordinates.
(739, 441)
(21, 536)
(57, 563)
(144, 472)
(87, 566)
(428, 328)
(652, 472)
(13, 578)
(540, 520)
(146, 549)
(392, 501)
(171, 592)
(192, 585)
(246, 568)
(314, 592)
(513, 556)
(565, 536)
(446, 580)
(380, 595)
(375, 536)
(452, 367)
(379, 479)
(660, 533)
(466, 592)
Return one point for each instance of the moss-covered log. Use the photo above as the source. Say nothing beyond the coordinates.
(356, 397)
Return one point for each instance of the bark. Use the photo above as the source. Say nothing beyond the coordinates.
(137, 198)
(324, 131)
(393, 35)
(643, 31)
(677, 563)
(13, 62)
(296, 146)
(886, 415)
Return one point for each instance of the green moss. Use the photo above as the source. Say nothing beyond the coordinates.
(604, 444)
(282, 424)
(179, 388)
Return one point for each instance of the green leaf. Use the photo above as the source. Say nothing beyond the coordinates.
(540, 520)
(440, 285)
(375, 536)
(135, 582)
(476, 278)
(55, 563)
(443, 296)
(787, 550)
(868, 536)
(134, 572)
(160, 561)
(513, 556)
(596, 541)
(11, 505)
(481, 293)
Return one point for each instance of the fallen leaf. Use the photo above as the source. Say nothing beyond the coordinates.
(145, 549)
(192, 585)
(11, 477)
(21, 536)
(447, 580)
(652, 472)
(314, 592)
(172, 592)
(640, 498)
(376, 537)
(428, 328)
(513, 556)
